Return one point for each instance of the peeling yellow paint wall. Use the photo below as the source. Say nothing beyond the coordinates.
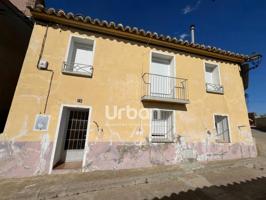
(118, 66)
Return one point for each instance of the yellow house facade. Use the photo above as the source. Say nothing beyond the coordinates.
(94, 95)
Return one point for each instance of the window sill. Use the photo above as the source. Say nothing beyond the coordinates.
(214, 91)
(77, 74)
(214, 88)
(164, 100)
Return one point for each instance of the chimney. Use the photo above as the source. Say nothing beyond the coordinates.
(192, 32)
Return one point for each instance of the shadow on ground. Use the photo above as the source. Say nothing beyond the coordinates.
(254, 189)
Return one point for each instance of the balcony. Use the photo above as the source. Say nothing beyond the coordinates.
(214, 88)
(77, 69)
(159, 88)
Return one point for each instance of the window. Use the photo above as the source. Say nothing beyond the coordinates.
(80, 56)
(222, 128)
(162, 126)
(76, 129)
(212, 78)
(162, 83)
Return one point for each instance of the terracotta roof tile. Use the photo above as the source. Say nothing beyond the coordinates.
(134, 30)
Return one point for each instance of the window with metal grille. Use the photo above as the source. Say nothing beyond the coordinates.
(162, 126)
(76, 129)
(222, 128)
(80, 57)
(212, 79)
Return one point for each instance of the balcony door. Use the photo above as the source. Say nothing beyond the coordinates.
(161, 71)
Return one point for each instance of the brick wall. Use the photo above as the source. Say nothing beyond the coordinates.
(22, 5)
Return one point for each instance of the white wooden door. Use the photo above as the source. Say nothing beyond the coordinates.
(161, 85)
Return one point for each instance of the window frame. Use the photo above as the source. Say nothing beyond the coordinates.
(219, 76)
(167, 140)
(71, 39)
(164, 56)
(229, 128)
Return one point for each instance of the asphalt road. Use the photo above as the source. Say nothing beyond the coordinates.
(254, 189)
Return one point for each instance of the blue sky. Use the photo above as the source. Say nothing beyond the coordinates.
(237, 25)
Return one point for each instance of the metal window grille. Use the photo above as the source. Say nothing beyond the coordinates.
(76, 68)
(76, 129)
(210, 87)
(162, 125)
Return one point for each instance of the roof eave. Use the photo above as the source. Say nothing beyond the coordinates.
(131, 36)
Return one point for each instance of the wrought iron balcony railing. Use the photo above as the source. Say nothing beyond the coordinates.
(164, 89)
(214, 88)
(77, 69)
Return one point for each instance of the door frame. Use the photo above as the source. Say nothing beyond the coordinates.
(58, 128)
(172, 64)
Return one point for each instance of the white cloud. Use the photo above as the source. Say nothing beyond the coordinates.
(190, 8)
(183, 36)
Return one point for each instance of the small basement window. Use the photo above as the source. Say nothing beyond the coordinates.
(162, 126)
(80, 57)
(222, 128)
(212, 79)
